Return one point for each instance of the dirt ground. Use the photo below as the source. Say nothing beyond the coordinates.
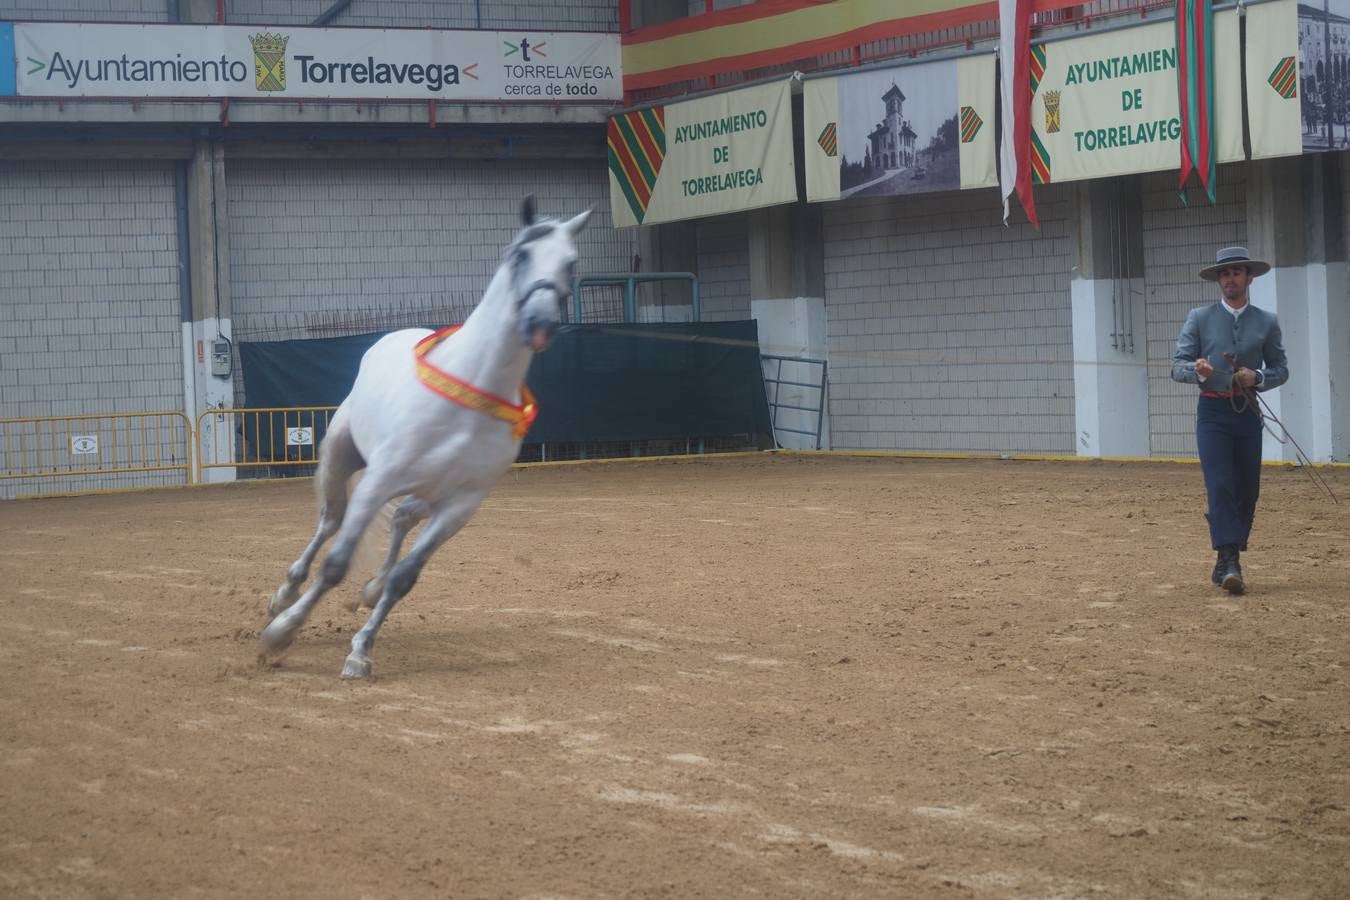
(770, 677)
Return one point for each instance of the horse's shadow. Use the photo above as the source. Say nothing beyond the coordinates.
(467, 651)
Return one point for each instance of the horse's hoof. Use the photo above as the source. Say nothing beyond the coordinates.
(357, 666)
(283, 598)
(278, 635)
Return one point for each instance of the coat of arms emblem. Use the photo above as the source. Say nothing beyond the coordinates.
(269, 61)
(1051, 99)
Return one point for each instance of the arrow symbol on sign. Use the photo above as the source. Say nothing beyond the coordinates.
(468, 70)
(38, 65)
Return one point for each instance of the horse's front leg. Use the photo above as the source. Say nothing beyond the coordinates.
(445, 523)
(366, 501)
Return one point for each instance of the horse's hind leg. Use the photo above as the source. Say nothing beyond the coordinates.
(370, 494)
(340, 460)
(444, 524)
(409, 513)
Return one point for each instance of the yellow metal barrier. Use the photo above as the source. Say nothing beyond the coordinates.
(95, 453)
(260, 438)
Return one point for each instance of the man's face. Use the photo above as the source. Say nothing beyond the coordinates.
(1234, 281)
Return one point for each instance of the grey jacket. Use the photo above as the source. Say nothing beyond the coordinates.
(1254, 338)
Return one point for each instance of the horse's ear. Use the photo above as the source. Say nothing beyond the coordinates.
(527, 212)
(578, 222)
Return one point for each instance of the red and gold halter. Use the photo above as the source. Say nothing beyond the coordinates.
(520, 418)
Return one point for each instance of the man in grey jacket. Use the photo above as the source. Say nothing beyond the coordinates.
(1227, 348)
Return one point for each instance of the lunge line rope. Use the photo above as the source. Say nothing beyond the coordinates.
(1246, 399)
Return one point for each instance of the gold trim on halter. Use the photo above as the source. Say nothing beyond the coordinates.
(520, 418)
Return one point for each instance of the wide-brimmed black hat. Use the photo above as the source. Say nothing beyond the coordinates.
(1234, 256)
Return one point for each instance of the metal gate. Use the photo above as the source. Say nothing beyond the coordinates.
(94, 453)
(803, 417)
(261, 441)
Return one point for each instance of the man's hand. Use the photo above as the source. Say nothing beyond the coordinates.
(1203, 368)
(1245, 377)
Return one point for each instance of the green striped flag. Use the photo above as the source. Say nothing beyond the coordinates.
(637, 147)
(1195, 92)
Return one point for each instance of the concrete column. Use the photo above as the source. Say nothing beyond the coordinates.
(1109, 330)
(1295, 222)
(209, 356)
(787, 299)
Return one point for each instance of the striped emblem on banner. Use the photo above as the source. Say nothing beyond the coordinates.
(829, 140)
(1037, 67)
(970, 124)
(1284, 78)
(637, 146)
(1040, 160)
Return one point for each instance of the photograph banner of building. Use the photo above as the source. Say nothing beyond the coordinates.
(903, 130)
(96, 60)
(705, 157)
(1298, 77)
(1107, 104)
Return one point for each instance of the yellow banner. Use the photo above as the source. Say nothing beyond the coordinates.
(705, 157)
(1107, 104)
(904, 130)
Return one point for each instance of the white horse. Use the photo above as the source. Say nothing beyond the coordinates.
(433, 418)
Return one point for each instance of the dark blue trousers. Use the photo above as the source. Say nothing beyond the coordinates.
(1230, 455)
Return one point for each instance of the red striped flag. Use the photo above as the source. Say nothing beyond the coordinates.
(637, 147)
(1014, 55)
(1195, 91)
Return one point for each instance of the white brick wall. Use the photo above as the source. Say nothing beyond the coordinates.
(85, 10)
(89, 304)
(948, 331)
(344, 235)
(575, 15)
(724, 268)
(89, 312)
(1178, 242)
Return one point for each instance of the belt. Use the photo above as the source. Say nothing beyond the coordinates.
(1218, 395)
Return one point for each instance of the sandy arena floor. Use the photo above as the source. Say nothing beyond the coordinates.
(771, 677)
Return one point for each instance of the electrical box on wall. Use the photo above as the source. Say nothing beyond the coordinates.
(222, 358)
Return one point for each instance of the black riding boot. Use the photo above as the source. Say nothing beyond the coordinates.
(1231, 574)
(1219, 564)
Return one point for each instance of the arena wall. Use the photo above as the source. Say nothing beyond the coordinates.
(948, 330)
(89, 301)
(350, 235)
(85, 10)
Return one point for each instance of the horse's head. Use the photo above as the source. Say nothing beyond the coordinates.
(543, 261)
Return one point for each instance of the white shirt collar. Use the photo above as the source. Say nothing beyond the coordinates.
(1235, 312)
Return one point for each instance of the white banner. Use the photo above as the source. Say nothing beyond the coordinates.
(721, 154)
(1106, 104)
(95, 60)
